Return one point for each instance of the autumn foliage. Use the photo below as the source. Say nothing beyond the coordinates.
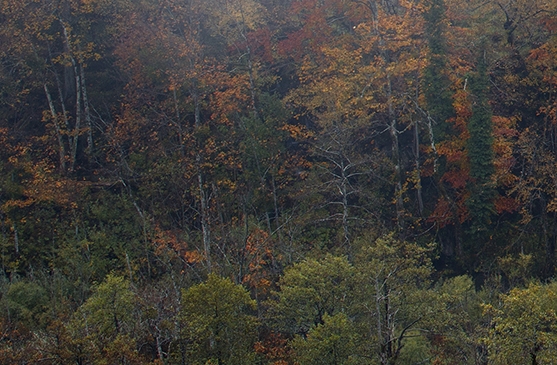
(151, 151)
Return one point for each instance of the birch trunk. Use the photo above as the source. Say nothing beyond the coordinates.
(418, 177)
(395, 156)
(203, 199)
(74, 135)
(204, 219)
(87, 111)
(78, 116)
(55, 121)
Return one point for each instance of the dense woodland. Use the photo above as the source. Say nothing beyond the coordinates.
(278, 182)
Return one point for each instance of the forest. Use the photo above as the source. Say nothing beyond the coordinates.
(278, 182)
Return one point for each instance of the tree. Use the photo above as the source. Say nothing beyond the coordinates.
(194, 85)
(374, 104)
(524, 327)
(393, 300)
(311, 289)
(103, 328)
(331, 343)
(437, 92)
(456, 324)
(384, 296)
(57, 46)
(25, 303)
(218, 324)
(480, 152)
(533, 189)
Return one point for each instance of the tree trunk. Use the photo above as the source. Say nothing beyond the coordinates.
(78, 116)
(418, 177)
(16, 240)
(87, 112)
(399, 203)
(345, 212)
(205, 229)
(55, 121)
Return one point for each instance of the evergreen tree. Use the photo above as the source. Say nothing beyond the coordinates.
(436, 85)
(480, 152)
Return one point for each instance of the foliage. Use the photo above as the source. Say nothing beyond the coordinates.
(436, 82)
(312, 289)
(395, 277)
(218, 324)
(332, 342)
(103, 328)
(25, 302)
(457, 324)
(480, 152)
(523, 328)
(310, 150)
